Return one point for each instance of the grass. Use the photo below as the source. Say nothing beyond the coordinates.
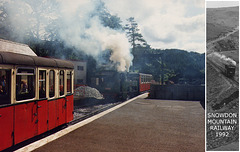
(221, 20)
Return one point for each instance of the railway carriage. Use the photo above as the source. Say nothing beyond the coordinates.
(223, 63)
(144, 82)
(36, 95)
(230, 70)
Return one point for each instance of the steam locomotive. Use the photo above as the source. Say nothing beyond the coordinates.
(225, 64)
(229, 70)
(121, 85)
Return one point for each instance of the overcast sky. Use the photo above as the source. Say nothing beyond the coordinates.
(166, 24)
(217, 4)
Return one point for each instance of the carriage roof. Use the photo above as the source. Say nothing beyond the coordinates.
(26, 60)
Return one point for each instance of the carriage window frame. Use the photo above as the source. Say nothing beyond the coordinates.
(97, 81)
(42, 82)
(69, 84)
(61, 79)
(25, 90)
(5, 82)
(142, 79)
(51, 94)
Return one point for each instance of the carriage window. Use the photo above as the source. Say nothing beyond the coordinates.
(25, 84)
(69, 81)
(42, 84)
(5, 89)
(51, 84)
(143, 79)
(97, 81)
(61, 82)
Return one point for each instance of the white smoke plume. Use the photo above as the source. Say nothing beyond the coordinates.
(89, 35)
(78, 25)
(120, 50)
(92, 37)
(221, 58)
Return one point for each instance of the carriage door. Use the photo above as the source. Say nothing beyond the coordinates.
(6, 112)
(42, 103)
(61, 102)
(25, 116)
(69, 98)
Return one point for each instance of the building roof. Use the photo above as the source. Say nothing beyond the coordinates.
(13, 47)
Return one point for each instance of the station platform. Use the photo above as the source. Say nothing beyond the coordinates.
(139, 125)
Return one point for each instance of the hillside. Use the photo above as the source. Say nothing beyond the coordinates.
(230, 43)
(178, 66)
(221, 20)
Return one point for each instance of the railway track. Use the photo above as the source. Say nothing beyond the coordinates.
(210, 44)
(232, 83)
(230, 80)
(91, 112)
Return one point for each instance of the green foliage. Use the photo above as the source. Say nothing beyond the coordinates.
(170, 65)
(106, 18)
(134, 36)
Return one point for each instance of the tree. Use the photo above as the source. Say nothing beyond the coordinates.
(4, 21)
(106, 18)
(136, 40)
(159, 69)
(133, 34)
(25, 21)
(12, 21)
(41, 17)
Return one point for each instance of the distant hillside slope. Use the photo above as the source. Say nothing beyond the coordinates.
(221, 20)
(174, 63)
(231, 43)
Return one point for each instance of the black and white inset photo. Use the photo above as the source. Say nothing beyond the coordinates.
(222, 65)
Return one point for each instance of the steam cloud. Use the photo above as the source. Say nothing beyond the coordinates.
(121, 53)
(95, 38)
(222, 58)
(81, 28)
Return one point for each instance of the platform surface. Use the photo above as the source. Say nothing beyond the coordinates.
(143, 125)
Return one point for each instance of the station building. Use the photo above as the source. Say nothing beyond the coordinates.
(80, 73)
